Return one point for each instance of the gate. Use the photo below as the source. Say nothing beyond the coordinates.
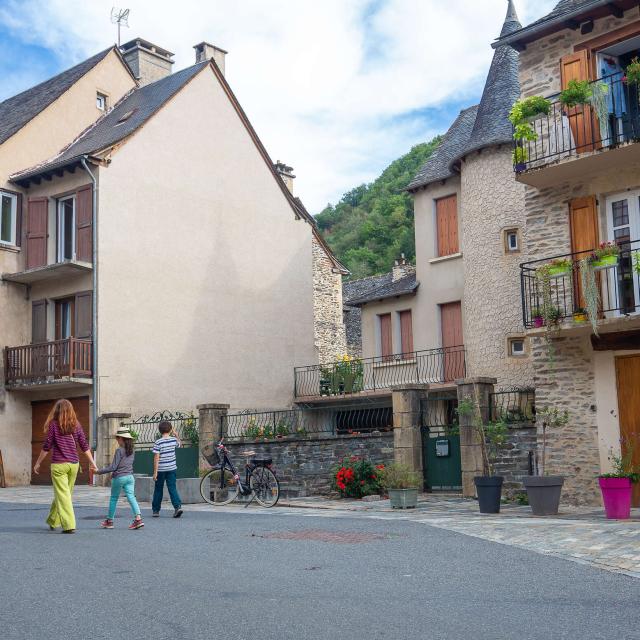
(441, 443)
(145, 432)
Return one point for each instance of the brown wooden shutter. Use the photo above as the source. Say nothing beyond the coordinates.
(386, 341)
(37, 222)
(38, 321)
(84, 230)
(447, 225)
(451, 327)
(19, 220)
(582, 119)
(83, 306)
(583, 219)
(406, 331)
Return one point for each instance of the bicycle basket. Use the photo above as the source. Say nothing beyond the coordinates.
(211, 455)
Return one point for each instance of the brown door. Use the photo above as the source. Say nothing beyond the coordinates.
(582, 120)
(628, 383)
(451, 327)
(406, 331)
(447, 225)
(583, 219)
(39, 413)
(386, 340)
(37, 221)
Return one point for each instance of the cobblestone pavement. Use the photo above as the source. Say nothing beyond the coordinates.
(578, 534)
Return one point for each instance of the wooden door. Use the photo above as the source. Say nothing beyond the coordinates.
(37, 232)
(628, 384)
(582, 119)
(451, 327)
(447, 225)
(39, 413)
(386, 339)
(583, 220)
(406, 331)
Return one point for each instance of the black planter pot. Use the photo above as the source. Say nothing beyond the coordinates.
(544, 494)
(489, 490)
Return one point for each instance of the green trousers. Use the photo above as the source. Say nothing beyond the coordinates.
(63, 477)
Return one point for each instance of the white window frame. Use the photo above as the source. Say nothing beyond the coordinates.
(101, 96)
(59, 228)
(520, 354)
(14, 218)
(507, 245)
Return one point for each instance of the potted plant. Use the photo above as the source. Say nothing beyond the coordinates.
(491, 436)
(605, 256)
(617, 486)
(576, 93)
(632, 72)
(537, 317)
(402, 485)
(520, 157)
(528, 109)
(580, 315)
(557, 268)
(543, 490)
(356, 477)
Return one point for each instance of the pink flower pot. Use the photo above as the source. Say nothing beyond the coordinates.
(538, 322)
(616, 494)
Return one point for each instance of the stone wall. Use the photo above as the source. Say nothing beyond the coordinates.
(304, 465)
(329, 330)
(514, 458)
(353, 328)
(492, 201)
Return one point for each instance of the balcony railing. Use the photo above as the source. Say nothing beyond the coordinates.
(436, 366)
(617, 287)
(47, 361)
(566, 133)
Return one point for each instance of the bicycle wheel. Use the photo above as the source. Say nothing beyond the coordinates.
(265, 486)
(217, 489)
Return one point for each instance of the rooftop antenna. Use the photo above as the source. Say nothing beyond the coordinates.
(121, 18)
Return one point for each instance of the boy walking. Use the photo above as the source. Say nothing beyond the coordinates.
(164, 469)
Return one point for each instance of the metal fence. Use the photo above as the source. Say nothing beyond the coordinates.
(347, 377)
(440, 412)
(513, 405)
(145, 428)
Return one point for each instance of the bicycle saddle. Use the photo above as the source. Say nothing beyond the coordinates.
(248, 454)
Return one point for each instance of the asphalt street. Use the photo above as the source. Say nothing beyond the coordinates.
(268, 575)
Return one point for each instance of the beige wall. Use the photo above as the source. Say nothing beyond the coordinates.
(370, 326)
(205, 287)
(40, 139)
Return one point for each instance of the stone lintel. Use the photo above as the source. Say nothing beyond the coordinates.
(477, 380)
(109, 416)
(212, 405)
(411, 387)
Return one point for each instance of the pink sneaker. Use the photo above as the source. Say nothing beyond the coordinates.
(107, 524)
(136, 524)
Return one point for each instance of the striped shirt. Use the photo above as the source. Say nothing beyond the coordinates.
(166, 447)
(64, 446)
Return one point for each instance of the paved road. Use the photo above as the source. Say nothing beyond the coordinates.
(254, 575)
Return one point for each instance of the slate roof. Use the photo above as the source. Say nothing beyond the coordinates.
(17, 111)
(355, 289)
(125, 118)
(439, 166)
(388, 289)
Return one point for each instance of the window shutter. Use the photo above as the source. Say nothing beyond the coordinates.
(406, 331)
(84, 315)
(386, 341)
(582, 120)
(37, 221)
(84, 219)
(38, 321)
(583, 219)
(19, 220)
(447, 225)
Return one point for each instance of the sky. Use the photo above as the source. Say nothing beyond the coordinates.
(337, 89)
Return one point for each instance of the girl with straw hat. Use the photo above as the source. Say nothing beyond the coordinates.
(121, 470)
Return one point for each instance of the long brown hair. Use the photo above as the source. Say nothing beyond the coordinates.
(127, 443)
(64, 414)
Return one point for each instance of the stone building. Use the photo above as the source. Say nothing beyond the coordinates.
(582, 188)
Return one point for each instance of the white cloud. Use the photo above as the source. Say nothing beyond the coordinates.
(332, 87)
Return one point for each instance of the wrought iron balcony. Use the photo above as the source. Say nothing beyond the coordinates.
(357, 376)
(618, 288)
(566, 133)
(47, 362)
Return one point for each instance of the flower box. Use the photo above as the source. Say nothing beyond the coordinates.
(606, 262)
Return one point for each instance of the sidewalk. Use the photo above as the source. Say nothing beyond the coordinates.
(579, 534)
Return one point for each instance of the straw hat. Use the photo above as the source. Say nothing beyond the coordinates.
(123, 433)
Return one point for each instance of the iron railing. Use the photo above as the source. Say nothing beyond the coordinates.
(348, 377)
(145, 428)
(47, 361)
(513, 405)
(618, 286)
(568, 132)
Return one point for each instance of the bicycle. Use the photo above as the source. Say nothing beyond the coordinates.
(222, 484)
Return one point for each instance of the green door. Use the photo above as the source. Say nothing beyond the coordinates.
(441, 458)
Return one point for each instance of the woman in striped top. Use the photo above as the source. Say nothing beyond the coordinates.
(64, 436)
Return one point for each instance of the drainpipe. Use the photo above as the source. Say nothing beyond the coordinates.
(94, 305)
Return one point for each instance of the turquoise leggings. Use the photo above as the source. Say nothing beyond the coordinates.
(128, 485)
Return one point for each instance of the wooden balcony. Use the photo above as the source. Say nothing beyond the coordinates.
(60, 362)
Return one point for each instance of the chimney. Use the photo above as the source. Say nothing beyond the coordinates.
(401, 268)
(286, 173)
(207, 51)
(147, 61)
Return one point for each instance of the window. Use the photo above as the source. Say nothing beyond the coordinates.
(101, 101)
(386, 340)
(406, 331)
(512, 241)
(66, 229)
(517, 347)
(447, 225)
(8, 215)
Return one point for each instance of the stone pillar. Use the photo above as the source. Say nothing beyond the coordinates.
(108, 425)
(407, 420)
(477, 390)
(210, 427)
